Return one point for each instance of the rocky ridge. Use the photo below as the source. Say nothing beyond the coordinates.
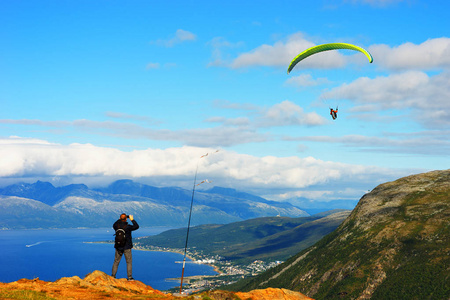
(394, 245)
(98, 285)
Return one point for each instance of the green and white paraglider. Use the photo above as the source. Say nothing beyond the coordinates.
(326, 47)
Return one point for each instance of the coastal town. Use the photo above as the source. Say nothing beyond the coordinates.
(227, 271)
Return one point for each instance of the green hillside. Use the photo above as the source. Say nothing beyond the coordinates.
(394, 245)
(270, 238)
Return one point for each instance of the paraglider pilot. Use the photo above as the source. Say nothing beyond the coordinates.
(333, 113)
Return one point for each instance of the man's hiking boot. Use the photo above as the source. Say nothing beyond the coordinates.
(130, 279)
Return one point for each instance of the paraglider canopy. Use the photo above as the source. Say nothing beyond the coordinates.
(327, 47)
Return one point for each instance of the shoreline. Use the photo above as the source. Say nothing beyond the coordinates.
(193, 260)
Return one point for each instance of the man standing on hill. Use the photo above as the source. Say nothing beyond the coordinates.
(124, 243)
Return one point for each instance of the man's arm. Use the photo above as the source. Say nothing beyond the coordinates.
(135, 224)
(115, 226)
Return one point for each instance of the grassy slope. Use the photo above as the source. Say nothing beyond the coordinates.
(403, 254)
(270, 238)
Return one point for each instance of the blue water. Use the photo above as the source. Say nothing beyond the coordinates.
(56, 253)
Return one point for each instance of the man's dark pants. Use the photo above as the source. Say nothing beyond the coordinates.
(128, 259)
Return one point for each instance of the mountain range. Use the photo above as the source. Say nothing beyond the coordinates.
(42, 205)
(394, 245)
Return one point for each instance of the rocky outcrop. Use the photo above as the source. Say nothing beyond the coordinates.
(98, 285)
(271, 293)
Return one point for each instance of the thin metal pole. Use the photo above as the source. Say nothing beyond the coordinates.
(189, 225)
(189, 222)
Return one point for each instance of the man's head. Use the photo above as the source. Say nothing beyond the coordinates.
(123, 217)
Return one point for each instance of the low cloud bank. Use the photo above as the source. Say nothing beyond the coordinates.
(273, 177)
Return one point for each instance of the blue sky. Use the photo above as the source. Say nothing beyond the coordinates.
(93, 91)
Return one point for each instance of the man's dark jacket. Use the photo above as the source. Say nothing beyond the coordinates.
(128, 229)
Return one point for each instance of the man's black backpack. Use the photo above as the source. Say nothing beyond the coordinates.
(120, 239)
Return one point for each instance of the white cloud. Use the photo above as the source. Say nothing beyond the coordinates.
(322, 194)
(424, 143)
(280, 54)
(241, 121)
(288, 113)
(36, 122)
(21, 157)
(225, 104)
(32, 157)
(431, 54)
(378, 3)
(180, 37)
(285, 113)
(387, 92)
(125, 116)
(230, 131)
(305, 80)
(183, 35)
(223, 136)
(152, 66)
(218, 44)
(426, 96)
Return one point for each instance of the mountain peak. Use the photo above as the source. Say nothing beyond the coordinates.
(126, 186)
(404, 200)
(44, 184)
(124, 182)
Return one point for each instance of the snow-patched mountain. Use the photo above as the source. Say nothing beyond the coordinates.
(26, 205)
(23, 213)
